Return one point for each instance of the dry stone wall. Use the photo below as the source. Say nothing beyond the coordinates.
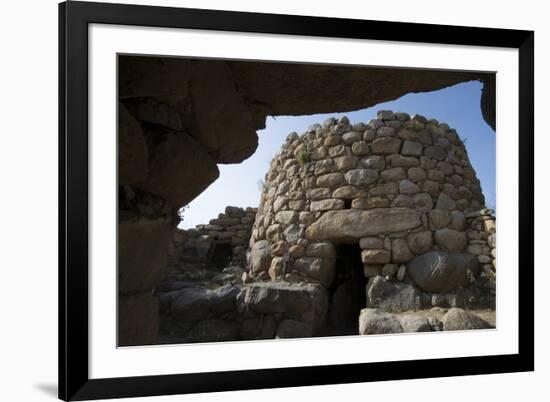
(402, 188)
(229, 232)
(179, 118)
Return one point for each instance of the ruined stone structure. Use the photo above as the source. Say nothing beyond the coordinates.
(397, 194)
(220, 243)
(179, 118)
(359, 227)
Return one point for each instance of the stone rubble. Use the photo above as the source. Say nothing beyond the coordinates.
(412, 183)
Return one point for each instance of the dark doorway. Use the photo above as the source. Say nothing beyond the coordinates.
(220, 254)
(347, 292)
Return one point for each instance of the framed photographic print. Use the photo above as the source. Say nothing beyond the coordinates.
(258, 200)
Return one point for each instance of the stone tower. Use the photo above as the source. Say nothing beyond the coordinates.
(397, 194)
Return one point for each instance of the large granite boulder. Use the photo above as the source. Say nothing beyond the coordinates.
(451, 240)
(142, 253)
(213, 330)
(213, 115)
(151, 76)
(179, 169)
(155, 111)
(260, 259)
(457, 319)
(342, 307)
(133, 153)
(193, 304)
(187, 130)
(284, 297)
(439, 271)
(373, 321)
(392, 296)
(320, 269)
(351, 224)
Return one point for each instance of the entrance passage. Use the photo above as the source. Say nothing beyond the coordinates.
(220, 254)
(347, 292)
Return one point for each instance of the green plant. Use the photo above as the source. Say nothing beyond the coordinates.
(303, 157)
(181, 211)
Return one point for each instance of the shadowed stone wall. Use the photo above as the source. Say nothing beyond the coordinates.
(179, 118)
(400, 187)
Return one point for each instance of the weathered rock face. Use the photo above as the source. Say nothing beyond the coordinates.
(295, 89)
(213, 115)
(179, 159)
(201, 311)
(281, 297)
(392, 295)
(373, 321)
(400, 188)
(193, 304)
(450, 240)
(377, 321)
(214, 330)
(217, 244)
(260, 259)
(350, 224)
(308, 211)
(202, 278)
(132, 158)
(414, 323)
(142, 254)
(319, 269)
(279, 88)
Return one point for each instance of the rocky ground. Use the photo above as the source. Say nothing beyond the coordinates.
(198, 304)
(376, 321)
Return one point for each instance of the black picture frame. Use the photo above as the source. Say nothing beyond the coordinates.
(74, 18)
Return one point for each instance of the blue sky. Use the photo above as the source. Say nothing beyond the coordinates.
(458, 106)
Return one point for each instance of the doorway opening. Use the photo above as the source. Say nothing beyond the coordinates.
(347, 293)
(220, 254)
